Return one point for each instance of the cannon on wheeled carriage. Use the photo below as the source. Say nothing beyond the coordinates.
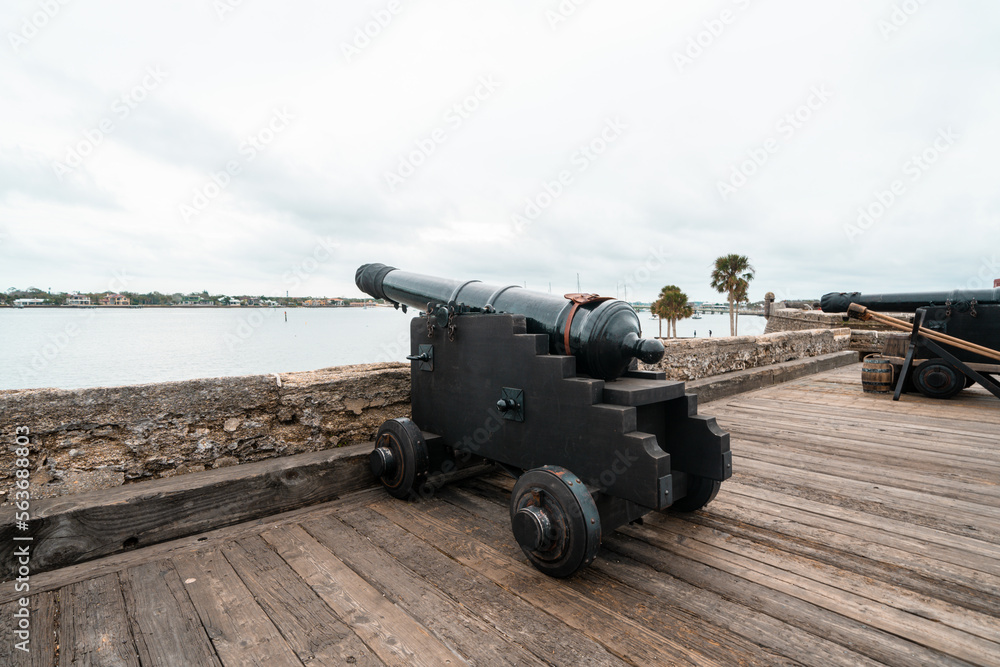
(954, 337)
(545, 387)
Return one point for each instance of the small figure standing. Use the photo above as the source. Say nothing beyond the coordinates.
(709, 333)
(695, 333)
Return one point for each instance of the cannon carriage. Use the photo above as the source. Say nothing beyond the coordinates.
(544, 387)
(954, 338)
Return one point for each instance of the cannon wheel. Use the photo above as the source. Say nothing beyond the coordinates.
(555, 520)
(400, 458)
(701, 491)
(936, 378)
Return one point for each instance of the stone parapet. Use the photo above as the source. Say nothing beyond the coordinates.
(87, 439)
(694, 358)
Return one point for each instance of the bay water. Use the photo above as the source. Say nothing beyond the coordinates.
(69, 348)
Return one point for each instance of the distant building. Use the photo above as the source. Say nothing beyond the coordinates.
(269, 303)
(77, 300)
(21, 303)
(115, 300)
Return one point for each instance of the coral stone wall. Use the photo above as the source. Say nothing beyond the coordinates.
(694, 358)
(793, 319)
(88, 439)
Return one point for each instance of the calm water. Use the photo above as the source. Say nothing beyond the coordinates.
(70, 348)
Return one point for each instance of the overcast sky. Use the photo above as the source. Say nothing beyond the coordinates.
(255, 147)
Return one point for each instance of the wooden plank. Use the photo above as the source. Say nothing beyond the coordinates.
(858, 636)
(622, 636)
(858, 438)
(42, 637)
(240, 631)
(949, 419)
(936, 625)
(310, 627)
(93, 628)
(72, 529)
(536, 630)
(395, 636)
(164, 623)
(702, 613)
(866, 471)
(55, 579)
(951, 431)
(794, 531)
(945, 514)
(953, 549)
(457, 626)
(908, 435)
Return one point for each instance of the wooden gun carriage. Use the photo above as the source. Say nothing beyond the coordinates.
(544, 387)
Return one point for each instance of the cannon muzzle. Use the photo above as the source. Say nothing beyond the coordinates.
(908, 302)
(602, 333)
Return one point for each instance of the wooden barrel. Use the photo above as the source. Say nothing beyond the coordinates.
(876, 374)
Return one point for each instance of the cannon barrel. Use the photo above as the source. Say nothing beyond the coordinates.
(907, 302)
(604, 334)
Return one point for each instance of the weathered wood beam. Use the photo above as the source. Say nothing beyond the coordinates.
(77, 528)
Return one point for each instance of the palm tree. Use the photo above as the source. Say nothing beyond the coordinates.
(660, 309)
(741, 297)
(682, 310)
(672, 305)
(731, 276)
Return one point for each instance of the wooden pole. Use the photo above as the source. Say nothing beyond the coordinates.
(864, 314)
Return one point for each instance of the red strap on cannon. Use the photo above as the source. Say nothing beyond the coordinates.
(578, 300)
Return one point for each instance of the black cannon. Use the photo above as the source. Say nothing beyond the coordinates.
(543, 385)
(966, 322)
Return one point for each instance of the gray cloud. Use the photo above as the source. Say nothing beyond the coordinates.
(653, 189)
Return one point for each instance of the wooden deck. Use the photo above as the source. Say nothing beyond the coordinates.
(856, 531)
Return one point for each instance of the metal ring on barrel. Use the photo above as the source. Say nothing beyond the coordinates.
(555, 520)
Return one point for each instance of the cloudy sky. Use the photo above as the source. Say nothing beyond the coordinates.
(245, 146)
